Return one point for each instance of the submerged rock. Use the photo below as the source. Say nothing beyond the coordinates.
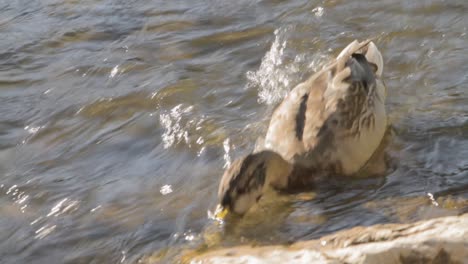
(441, 240)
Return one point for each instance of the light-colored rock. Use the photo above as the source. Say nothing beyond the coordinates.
(441, 240)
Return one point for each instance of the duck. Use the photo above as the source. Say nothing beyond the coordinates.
(330, 124)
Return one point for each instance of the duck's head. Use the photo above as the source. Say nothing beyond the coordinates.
(246, 180)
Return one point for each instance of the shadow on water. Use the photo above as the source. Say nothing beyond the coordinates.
(118, 117)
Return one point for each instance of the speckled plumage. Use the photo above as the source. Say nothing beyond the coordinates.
(331, 123)
(336, 119)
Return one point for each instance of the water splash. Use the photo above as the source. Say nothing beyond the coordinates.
(114, 71)
(227, 156)
(433, 201)
(33, 129)
(124, 256)
(318, 11)
(200, 141)
(189, 235)
(277, 73)
(270, 77)
(171, 121)
(166, 189)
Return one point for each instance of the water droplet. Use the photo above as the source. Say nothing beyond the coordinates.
(172, 123)
(31, 129)
(227, 157)
(318, 11)
(166, 189)
(433, 201)
(114, 71)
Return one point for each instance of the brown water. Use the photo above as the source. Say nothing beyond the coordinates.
(117, 118)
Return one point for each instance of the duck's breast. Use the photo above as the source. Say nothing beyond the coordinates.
(354, 151)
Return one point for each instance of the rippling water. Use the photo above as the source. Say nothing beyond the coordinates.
(117, 118)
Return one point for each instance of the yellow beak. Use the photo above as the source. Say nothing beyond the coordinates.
(220, 212)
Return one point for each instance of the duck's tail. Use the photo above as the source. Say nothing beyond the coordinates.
(369, 51)
(361, 69)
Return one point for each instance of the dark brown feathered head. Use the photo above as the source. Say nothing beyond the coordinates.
(244, 182)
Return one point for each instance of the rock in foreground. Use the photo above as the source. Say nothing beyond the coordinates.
(441, 240)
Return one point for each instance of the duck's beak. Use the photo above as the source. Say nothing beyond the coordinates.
(220, 212)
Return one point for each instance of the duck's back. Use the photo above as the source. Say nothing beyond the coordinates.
(336, 119)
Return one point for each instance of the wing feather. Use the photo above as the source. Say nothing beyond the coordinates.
(302, 127)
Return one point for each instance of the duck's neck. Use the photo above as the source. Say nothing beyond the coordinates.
(303, 178)
(278, 171)
(282, 175)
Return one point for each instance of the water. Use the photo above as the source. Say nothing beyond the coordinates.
(117, 118)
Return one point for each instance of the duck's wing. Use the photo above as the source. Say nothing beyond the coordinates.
(302, 127)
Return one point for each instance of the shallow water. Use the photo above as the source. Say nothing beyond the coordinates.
(117, 118)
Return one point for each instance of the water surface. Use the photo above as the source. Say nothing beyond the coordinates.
(118, 117)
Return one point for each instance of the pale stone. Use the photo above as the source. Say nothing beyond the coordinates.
(438, 241)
